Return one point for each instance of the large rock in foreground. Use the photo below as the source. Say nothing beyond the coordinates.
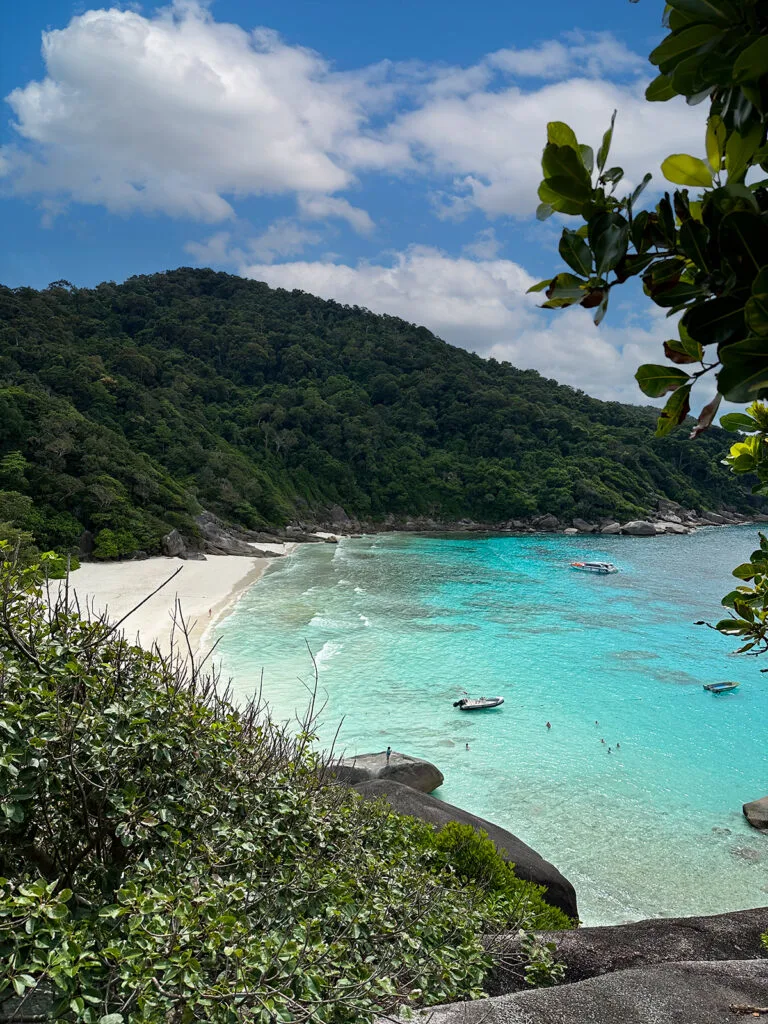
(639, 528)
(756, 813)
(402, 768)
(529, 865)
(681, 993)
(588, 952)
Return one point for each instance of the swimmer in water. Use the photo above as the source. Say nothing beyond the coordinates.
(602, 741)
(466, 745)
(618, 745)
(549, 725)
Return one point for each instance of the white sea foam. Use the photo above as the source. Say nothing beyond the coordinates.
(359, 590)
(327, 651)
(364, 619)
(323, 622)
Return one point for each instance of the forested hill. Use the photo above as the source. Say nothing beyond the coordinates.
(130, 407)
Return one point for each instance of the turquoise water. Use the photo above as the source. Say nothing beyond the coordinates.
(400, 624)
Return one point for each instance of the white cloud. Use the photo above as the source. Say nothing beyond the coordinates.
(481, 305)
(593, 54)
(326, 207)
(486, 245)
(490, 140)
(178, 113)
(284, 237)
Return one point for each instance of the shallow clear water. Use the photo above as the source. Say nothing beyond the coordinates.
(401, 624)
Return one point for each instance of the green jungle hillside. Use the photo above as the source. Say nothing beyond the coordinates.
(130, 407)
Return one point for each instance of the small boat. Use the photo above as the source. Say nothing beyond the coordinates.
(470, 704)
(721, 687)
(602, 568)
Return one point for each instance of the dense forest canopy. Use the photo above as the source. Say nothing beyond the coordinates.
(125, 409)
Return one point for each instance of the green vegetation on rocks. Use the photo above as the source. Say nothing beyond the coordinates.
(125, 409)
(166, 856)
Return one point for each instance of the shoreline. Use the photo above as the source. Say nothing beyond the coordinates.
(206, 591)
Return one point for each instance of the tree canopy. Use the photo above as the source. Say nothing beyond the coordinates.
(126, 408)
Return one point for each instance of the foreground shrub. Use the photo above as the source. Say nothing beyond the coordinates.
(508, 899)
(168, 857)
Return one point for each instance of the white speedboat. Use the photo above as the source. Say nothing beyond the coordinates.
(480, 704)
(601, 568)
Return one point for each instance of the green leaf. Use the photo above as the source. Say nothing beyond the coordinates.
(660, 90)
(740, 151)
(674, 412)
(561, 134)
(756, 309)
(716, 137)
(675, 351)
(639, 190)
(608, 239)
(540, 287)
(743, 240)
(605, 147)
(681, 295)
(587, 158)
(745, 570)
(716, 321)
(733, 627)
(564, 162)
(564, 290)
(752, 63)
(666, 221)
(544, 211)
(692, 77)
(694, 239)
(687, 170)
(744, 374)
(576, 253)
(557, 202)
(572, 190)
(112, 1018)
(719, 12)
(677, 45)
(612, 176)
(733, 421)
(656, 381)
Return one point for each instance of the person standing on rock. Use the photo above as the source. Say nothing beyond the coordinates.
(389, 754)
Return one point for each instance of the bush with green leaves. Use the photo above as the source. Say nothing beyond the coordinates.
(166, 856)
(702, 250)
(509, 900)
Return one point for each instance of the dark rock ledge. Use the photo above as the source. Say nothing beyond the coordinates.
(756, 813)
(529, 865)
(589, 952)
(402, 768)
(688, 992)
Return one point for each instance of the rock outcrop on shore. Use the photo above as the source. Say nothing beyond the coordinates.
(639, 528)
(529, 865)
(588, 952)
(691, 992)
(756, 813)
(401, 768)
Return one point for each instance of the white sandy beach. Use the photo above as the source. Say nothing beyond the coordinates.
(206, 591)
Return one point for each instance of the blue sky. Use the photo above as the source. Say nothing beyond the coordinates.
(379, 153)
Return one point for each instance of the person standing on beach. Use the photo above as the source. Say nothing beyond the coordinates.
(389, 754)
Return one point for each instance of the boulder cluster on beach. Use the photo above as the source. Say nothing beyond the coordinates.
(668, 517)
